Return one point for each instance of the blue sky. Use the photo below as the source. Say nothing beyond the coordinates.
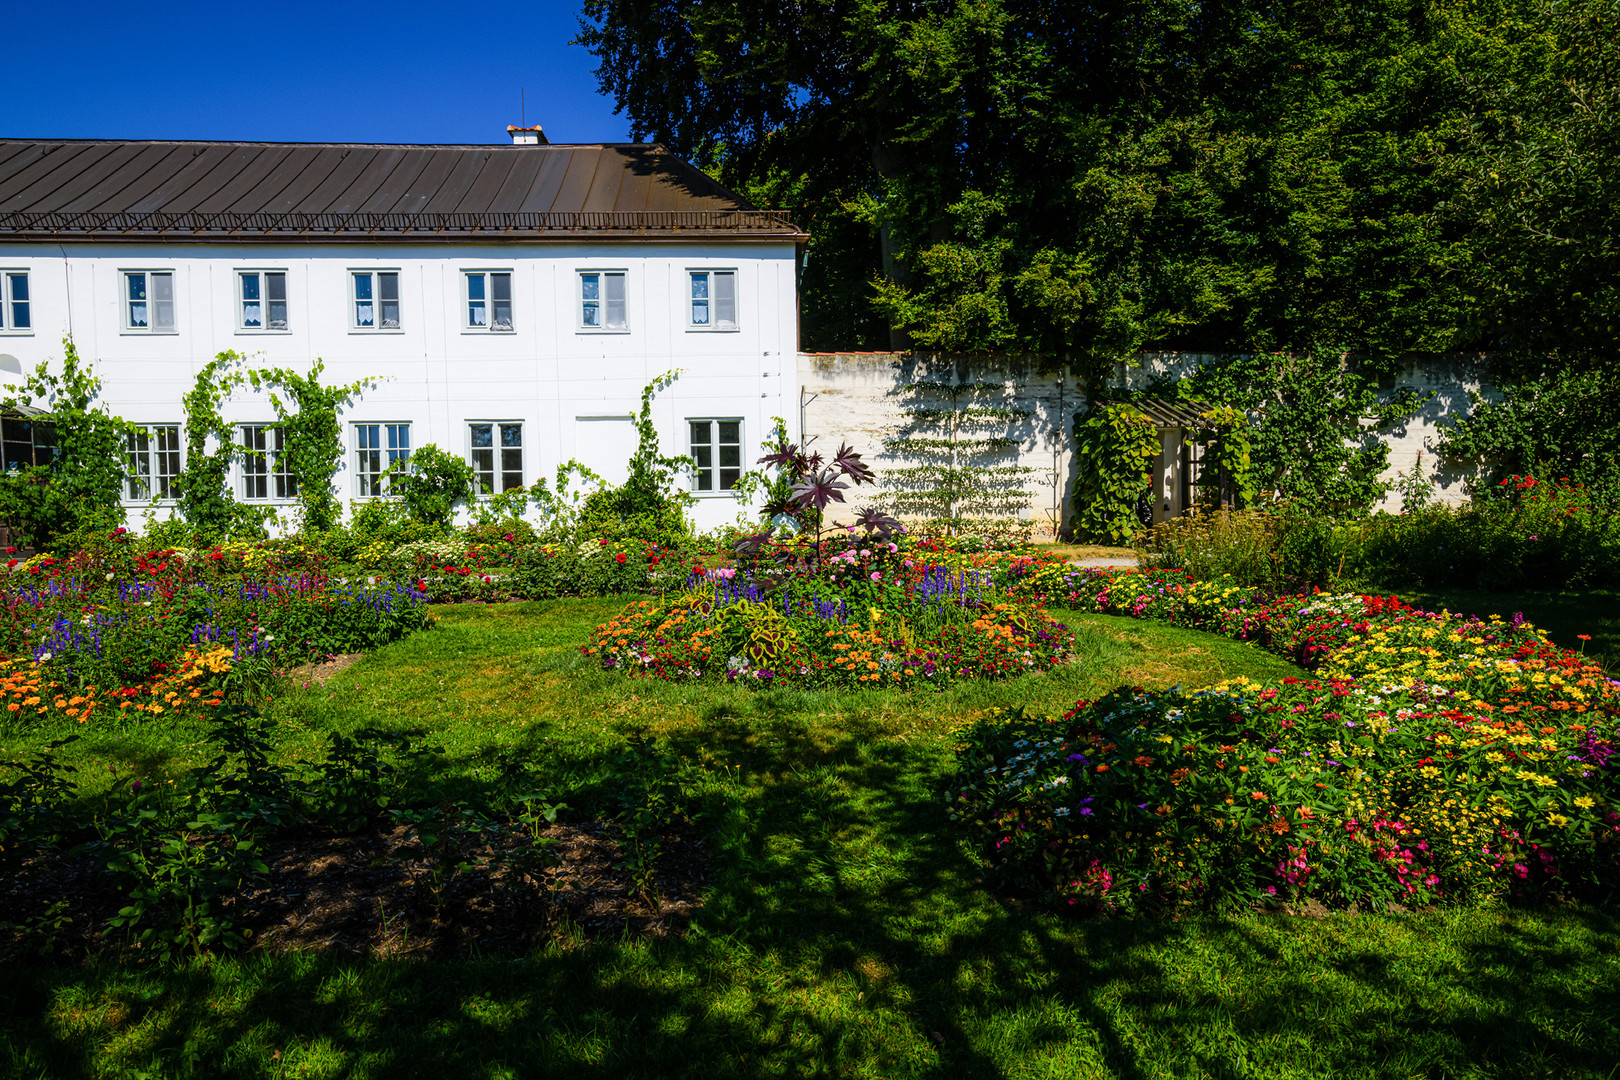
(350, 71)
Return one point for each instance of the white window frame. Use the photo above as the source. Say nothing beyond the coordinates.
(151, 478)
(714, 446)
(275, 472)
(8, 302)
(151, 301)
(690, 302)
(263, 276)
(601, 300)
(375, 274)
(497, 468)
(387, 456)
(488, 276)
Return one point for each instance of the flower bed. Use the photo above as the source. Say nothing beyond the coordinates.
(1434, 758)
(864, 620)
(73, 631)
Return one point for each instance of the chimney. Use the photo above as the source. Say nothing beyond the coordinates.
(527, 136)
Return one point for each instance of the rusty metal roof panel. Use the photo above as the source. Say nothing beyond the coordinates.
(322, 191)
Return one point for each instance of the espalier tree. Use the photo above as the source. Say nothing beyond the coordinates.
(959, 432)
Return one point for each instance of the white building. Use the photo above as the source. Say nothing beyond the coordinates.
(513, 299)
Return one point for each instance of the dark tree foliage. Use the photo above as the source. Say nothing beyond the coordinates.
(1081, 179)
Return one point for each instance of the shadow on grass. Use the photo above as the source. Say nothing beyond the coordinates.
(845, 933)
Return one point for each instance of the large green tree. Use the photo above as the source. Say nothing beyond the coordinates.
(1083, 180)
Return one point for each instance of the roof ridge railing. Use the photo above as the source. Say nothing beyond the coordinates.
(227, 222)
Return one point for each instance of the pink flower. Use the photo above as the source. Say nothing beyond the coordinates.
(876, 576)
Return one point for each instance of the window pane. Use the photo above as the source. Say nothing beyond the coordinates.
(614, 288)
(137, 465)
(589, 287)
(500, 287)
(166, 459)
(275, 290)
(700, 286)
(728, 431)
(475, 286)
(19, 302)
(482, 434)
(364, 313)
(137, 301)
(725, 300)
(388, 298)
(162, 302)
(251, 310)
(700, 433)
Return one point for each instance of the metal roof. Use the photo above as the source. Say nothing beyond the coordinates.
(125, 190)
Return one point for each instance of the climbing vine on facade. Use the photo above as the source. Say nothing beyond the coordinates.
(312, 438)
(203, 486)
(80, 486)
(1115, 444)
(652, 501)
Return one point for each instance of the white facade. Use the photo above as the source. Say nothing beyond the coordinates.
(573, 388)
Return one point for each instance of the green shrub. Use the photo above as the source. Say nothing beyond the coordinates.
(432, 484)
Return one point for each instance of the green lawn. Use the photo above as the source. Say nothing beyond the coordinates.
(844, 933)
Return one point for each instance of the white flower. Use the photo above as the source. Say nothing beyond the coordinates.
(109, 577)
(44, 656)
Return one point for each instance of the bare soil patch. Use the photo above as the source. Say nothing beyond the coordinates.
(372, 893)
(324, 670)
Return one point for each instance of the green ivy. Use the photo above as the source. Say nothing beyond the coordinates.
(1226, 473)
(1115, 445)
(651, 503)
(312, 438)
(203, 488)
(80, 488)
(1316, 418)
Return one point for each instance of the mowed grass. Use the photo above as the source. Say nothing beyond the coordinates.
(844, 933)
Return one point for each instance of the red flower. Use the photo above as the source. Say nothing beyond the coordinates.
(619, 558)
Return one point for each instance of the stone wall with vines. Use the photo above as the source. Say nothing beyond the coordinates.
(962, 444)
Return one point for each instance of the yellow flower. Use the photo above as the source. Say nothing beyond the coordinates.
(1558, 819)
(1585, 802)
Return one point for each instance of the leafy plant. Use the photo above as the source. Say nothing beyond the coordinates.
(312, 439)
(1115, 445)
(432, 483)
(80, 488)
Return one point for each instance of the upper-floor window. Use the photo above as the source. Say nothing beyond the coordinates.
(489, 299)
(376, 299)
(716, 447)
(497, 456)
(262, 299)
(16, 312)
(713, 299)
(149, 301)
(151, 461)
(601, 300)
(380, 449)
(265, 472)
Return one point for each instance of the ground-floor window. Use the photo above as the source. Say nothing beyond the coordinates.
(716, 449)
(265, 474)
(152, 461)
(378, 449)
(497, 455)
